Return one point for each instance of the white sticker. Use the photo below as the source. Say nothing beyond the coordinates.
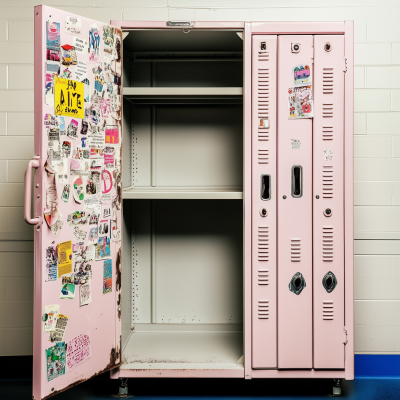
(81, 45)
(328, 155)
(73, 25)
(296, 144)
(81, 71)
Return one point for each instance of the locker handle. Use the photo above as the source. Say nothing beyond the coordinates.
(297, 181)
(34, 163)
(265, 187)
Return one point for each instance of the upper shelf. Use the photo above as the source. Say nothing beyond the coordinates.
(183, 92)
(182, 193)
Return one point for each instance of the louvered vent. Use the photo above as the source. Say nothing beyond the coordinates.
(263, 55)
(327, 181)
(295, 250)
(327, 310)
(327, 80)
(263, 156)
(263, 243)
(263, 277)
(327, 132)
(263, 309)
(327, 110)
(263, 100)
(327, 243)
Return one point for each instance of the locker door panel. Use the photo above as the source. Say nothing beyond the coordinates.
(294, 213)
(264, 307)
(328, 209)
(91, 342)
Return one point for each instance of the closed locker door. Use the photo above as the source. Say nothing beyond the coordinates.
(264, 307)
(328, 202)
(294, 208)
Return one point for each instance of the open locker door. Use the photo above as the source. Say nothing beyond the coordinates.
(77, 200)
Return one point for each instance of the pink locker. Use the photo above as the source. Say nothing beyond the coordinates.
(295, 219)
(294, 231)
(264, 178)
(328, 206)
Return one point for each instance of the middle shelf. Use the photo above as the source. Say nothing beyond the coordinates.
(228, 193)
(214, 93)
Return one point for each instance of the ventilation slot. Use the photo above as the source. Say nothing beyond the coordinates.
(327, 181)
(263, 56)
(327, 132)
(263, 277)
(327, 243)
(327, 110)
(263, 156)
(263, 243)
(295, 250)
(327, 81)
(263, 309)
(263, 100)
(327, 310)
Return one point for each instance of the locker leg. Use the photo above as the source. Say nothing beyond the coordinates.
(337, 390)
(123, 387)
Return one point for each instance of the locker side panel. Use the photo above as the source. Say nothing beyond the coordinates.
(264, 307)
(328, 209)
(294, 214)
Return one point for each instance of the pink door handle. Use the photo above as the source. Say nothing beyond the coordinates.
(34, 163)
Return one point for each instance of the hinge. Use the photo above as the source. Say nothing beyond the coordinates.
(345, 336)
(312, 55)
(345, 65)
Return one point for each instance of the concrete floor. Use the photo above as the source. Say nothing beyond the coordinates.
(222, 389)
(16, 384)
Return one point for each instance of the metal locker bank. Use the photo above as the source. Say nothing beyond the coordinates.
(192, 200)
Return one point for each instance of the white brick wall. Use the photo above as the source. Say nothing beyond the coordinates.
(377, 145)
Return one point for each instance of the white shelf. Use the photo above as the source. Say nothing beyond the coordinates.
(228, 193)
(183, 350)
(182, 91)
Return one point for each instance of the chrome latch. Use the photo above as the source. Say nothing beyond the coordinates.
(185, 24)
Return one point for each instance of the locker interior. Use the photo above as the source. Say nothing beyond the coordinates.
(183, 258)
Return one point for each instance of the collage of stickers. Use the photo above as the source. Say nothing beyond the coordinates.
(82, 208)
(300, 96)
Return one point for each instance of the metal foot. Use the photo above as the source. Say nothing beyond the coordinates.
(123, 387)
(337, 390)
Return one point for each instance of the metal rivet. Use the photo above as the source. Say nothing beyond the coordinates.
(37, 185)
(284, 197)
(317, 196)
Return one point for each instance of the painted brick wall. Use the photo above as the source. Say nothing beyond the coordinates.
(377, 145)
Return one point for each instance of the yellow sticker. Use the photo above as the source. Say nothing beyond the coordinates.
(69, 97)
(64, 258)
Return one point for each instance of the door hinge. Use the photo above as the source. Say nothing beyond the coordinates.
(345, 336)
(345, 65)
(313, 54)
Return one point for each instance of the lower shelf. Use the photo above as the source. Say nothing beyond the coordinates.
(233, 193)
(183, 350)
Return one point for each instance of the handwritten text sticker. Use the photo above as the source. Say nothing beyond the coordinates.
(69, 98)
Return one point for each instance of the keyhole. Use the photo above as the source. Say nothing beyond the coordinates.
(297, 283)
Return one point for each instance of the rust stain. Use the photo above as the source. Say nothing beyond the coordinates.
(119, 306)
(118, 268)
